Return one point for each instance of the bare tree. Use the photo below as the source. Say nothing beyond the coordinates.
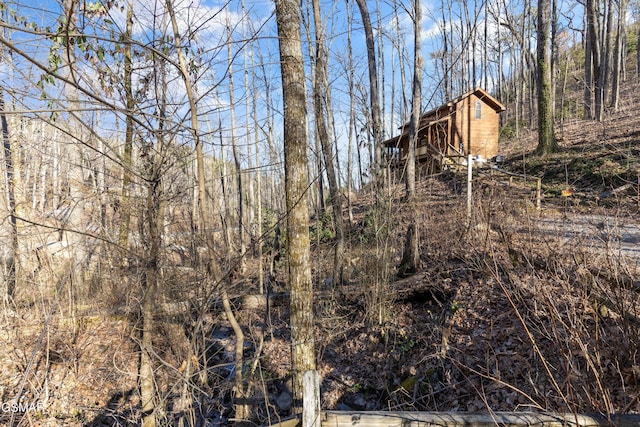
(295, 140)
(374, 94)
(547, 142)
(151, 228)
(241, 406)
(594, 91)
(320, 201)
(127, 158)
(410, 257)
(320, 98)
(12, 257)
(352, 113)
(619, 56)
(234, 147)
(416, 102)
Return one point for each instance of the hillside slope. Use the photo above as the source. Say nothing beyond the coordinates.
(502, 314)
(596, 158)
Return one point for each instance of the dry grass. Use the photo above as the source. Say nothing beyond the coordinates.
(504, 314)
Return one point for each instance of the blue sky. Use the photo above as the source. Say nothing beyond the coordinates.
(254, 40)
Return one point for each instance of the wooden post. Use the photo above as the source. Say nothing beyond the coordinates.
(311, 399)
(469, 187)
(538, 194)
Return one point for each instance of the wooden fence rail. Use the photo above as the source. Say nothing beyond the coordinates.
(464, 419)
(452, 419)
(313, 417)
(495, 170)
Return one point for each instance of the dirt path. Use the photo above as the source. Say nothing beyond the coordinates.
(620, 236)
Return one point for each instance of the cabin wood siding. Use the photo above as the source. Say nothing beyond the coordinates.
(453, 129)
(478, 136)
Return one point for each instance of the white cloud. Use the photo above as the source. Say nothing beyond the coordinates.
(200, 19)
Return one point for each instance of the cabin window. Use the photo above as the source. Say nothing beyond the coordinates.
(478, 110)
(422, 141)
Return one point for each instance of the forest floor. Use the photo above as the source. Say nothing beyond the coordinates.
(516, 310)
(520, 310)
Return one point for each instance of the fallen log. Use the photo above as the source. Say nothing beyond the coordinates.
(615, 191)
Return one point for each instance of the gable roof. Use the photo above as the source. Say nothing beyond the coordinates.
(484, 96)
(478, 91)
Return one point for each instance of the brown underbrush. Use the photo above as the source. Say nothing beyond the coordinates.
(512, 309)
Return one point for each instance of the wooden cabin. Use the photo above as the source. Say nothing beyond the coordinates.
(468, 124)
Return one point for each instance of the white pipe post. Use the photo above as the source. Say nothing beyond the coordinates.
(469, 188)
(311, 399)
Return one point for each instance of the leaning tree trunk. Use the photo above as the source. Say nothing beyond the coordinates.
(295, 143)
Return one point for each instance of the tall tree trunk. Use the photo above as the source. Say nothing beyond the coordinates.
(606, 51)
(587, 96)
(251, 203)
(152, 237)
(127, 158)
(12, 259)
(241, 408)
(416, 102)
(554, 55)
(295, 143)
(485, 47)
(352, 111)
(374, 94)
(607, 54)
(320, 199)
(276, 200)
(593, 34)
(320, 97)
(500, 88)
(234, 147)
(473, 30)
(381, 76)
(256, 128)
(563, 92)
(445, 57)
(359, 145)
(410, 258)
(619, 54)
(405, 103)
(74, 157)
(546, 138)
(153, 226)
(638, 55)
